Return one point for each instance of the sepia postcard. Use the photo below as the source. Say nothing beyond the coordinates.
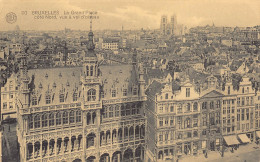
(129, 81)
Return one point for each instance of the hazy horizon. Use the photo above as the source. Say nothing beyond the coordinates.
(133, 14)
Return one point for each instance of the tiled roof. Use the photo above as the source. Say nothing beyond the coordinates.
(154, 88)
(118, 77)
(55, 81)
(66, 81)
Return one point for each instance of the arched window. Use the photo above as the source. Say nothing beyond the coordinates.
(51, 119)
(58, 118)
(44, 120)
(91, 95)
(37, 121)
(91, 70)
(72, 118)
(78, 116)
(65, 117)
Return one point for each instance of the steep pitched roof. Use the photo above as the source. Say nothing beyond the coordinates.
(154, 88)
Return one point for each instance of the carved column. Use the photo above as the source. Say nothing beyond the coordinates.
(69, 145)
(118, 157)
(40, 148)
(33, 153)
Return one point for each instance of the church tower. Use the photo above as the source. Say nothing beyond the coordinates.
(24, 80)
(90, 76)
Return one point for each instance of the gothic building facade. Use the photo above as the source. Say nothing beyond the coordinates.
(90, 113)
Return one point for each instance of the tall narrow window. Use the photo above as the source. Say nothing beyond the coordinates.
(44, 120)
(65, 117)
(187, 92)
(58, 118)
(135, 91)
(78, 116)
(87, 70)
(204, 105)
(113, 93)
(72, 117)
(117, 111)
(125, 92)
(34, 100)
(37, 121)
(75, 96)
(30, 122)
(195, 106)
(51, 119)
(91, 70)
(91, 95)
(228, 89)
(218, 104)
(211, 105)
(48, 99)
(166, 96)
(62, 98)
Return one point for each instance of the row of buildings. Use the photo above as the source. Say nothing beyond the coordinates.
(186, 119)
(100, 112)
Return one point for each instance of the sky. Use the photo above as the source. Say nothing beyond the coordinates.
(131, 14)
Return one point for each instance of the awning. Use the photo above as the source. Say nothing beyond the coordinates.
(244, 138)
(258, 134)
(231, 140)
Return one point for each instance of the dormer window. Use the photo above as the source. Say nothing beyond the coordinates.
(48, 99)
(125, 92)
(75, 96)
(62, 98)
(34, 100)
(243, 90)
(113, 93)
(91, 95)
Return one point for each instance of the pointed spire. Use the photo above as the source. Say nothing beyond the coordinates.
(91, 45)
